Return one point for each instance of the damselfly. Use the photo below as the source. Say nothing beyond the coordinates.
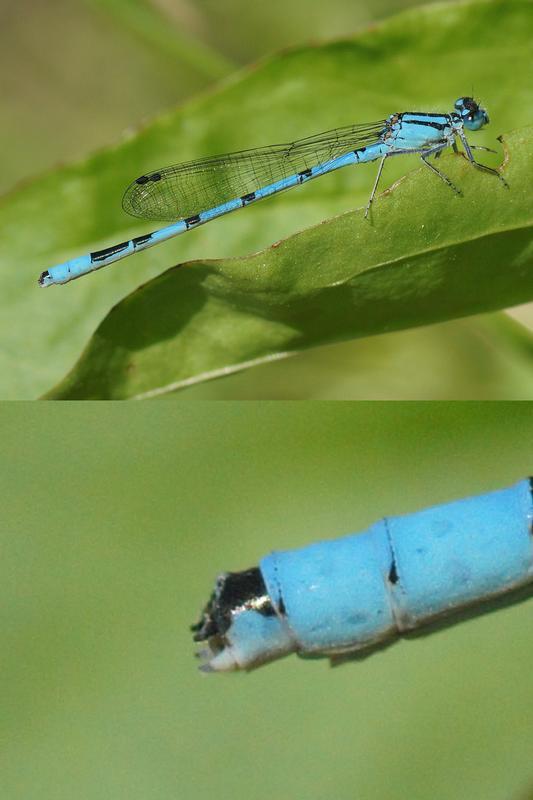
(196, 192)
(347, 597)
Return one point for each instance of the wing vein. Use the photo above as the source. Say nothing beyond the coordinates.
(186, 189)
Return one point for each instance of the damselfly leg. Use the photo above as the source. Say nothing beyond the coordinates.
(470, 156)
(374, 188)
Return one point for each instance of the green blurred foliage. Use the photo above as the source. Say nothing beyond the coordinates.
(247, 31)
(72, 79)
(75, 73)
(115, 523)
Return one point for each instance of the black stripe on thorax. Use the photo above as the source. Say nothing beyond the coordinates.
(438, 126)
(423, 114)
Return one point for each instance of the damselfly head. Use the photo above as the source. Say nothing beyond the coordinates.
(472, 115)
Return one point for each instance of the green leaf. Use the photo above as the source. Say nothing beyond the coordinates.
(484, 357)
(326, 284)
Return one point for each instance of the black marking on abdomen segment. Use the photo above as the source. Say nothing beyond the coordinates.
(392, 577)
(281, 607)
(234, 592)
(156, 176)
(247, 198)
(190, 221)
(305, 173)
(101, 255)
(140, 240)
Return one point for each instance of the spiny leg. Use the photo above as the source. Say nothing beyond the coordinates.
(490, 170)
(478, 147)
(472, 147)
(407, 151)
(440, 174)
(434, 151)
(456, 150)
(378, 176)
(477, 165)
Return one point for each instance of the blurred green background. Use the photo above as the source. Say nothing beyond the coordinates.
(114, 526)
(76, 75)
